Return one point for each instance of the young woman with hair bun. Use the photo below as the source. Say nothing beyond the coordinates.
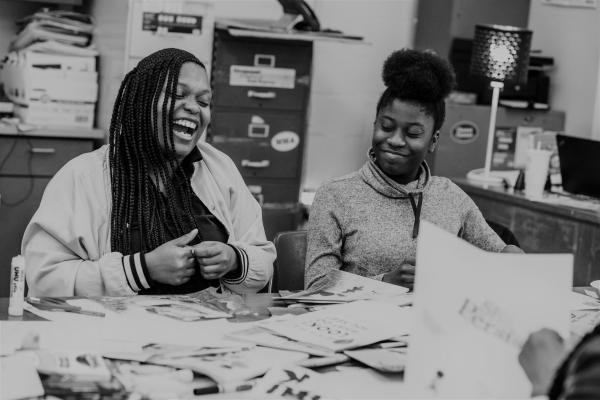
(367, 222)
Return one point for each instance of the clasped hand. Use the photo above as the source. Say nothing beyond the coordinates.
(404, 275)
(174, 262)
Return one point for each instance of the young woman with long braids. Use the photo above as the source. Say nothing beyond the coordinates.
(157, 210)
(367, 222)
(556, 375)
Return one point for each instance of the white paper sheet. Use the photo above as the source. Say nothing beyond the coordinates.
(345, 326)
(54, 336)
(472, 312)
(19, 378)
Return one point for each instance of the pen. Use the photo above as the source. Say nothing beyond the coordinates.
(225, 388)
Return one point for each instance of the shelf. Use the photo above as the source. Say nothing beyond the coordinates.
(74, 133)
(72, 2)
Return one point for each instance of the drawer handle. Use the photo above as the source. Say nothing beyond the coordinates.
(261, 95)
(256, 164)
(42, 150)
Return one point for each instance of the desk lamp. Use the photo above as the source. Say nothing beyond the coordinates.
(500, 55)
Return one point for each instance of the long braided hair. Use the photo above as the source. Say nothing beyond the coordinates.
(557, 388)
(139, 164)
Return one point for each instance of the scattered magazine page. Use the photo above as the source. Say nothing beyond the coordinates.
(235, 366)
(19, 377)
(477, 308)
(186, 313)
(389, 360)
(135, 351)
(580, 301)
(345, 326)
(147, 381)
(79, 365)
(59, 337)
(291, 382)
(357, 382)
(205, 304)
(342, 287)
(266, 338)
(582, 321)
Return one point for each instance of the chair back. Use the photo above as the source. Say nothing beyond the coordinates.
(288, 271)
(504, 232)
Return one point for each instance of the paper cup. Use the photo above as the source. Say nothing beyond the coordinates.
(536, 172)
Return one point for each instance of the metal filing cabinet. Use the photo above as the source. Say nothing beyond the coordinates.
(261, 88)
(26, 165)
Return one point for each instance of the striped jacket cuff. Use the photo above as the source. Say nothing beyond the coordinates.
(136, 272)
(242, 271)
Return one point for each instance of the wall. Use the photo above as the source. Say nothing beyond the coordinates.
(439, 21)
(575, 46)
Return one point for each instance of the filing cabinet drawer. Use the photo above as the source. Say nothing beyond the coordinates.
(274, 191)
(259, 125)
(263, 74)
(33, 156)
(257, 159)
(264, 145)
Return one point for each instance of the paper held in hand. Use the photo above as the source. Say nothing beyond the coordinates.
(473, 310)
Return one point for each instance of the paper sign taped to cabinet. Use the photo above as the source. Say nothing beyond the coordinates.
(244, 75)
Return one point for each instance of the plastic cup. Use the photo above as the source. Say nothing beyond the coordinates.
(536, 172)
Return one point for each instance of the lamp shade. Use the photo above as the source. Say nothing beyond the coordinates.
(501, 53)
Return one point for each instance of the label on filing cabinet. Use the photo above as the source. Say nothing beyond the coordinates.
(285, 141)
(243, 75)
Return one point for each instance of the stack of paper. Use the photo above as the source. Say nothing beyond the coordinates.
(65, 27)
(343, 287)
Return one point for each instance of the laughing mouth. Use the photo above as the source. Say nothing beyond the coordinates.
(184, 128)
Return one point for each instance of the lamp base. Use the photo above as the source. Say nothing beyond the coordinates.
(479, 176)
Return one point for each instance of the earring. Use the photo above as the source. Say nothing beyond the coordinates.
(372, 154)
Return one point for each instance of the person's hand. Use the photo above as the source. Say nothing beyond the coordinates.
(404, 275)
(172, 262)
(540, 356)
(215, 258)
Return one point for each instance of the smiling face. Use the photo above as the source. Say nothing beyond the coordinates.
(402, 137)
(191, 113)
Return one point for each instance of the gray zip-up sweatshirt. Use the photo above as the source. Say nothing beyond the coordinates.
(367, 224)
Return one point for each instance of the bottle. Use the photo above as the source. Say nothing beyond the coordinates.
(17, 286)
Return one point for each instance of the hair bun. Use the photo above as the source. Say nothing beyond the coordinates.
(417, 75)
